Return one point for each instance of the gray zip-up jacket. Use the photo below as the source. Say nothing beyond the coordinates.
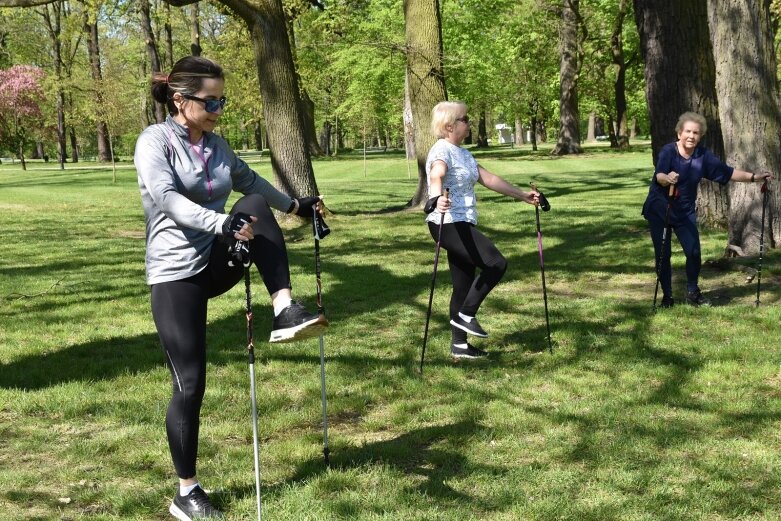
(184, 194)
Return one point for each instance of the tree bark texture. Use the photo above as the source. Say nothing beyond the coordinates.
(569, 130)
(290, 159)
(681, 78)
(749, 105)
(426, 77)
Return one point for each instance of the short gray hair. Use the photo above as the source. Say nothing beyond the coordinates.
(693, 117)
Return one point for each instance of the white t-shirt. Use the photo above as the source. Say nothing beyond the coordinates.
(459, 181)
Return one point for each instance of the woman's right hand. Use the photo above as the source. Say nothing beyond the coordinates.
(443, 203)
(672, 177)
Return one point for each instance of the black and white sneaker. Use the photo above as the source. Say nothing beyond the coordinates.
(472, 327)
(469, 351)
(296, 323)
(194, 506)
(696, 298)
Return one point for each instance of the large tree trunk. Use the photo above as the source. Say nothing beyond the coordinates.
(151, 50)
(169, 39)
(681, 78)
(746, 68)
(290, 157)
(426, 77)
(93, 48)
(569, 131)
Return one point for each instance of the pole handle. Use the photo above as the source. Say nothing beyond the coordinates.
(671, 191)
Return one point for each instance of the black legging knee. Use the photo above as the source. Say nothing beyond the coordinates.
(468, 249)
(179, 309)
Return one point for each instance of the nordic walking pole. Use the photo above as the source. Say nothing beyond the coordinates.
(545, 207)
(251, 354)
(665, 233)
(433, 283)
(320, 230)
(765, 193)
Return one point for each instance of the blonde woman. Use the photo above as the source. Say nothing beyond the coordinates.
(451, 167)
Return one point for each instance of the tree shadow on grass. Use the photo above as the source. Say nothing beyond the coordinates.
(430, 456)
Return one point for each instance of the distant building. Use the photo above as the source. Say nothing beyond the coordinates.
(505, 133)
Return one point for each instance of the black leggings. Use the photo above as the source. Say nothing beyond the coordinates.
(179, 311)
(468, 249)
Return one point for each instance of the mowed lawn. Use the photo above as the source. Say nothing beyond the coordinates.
(634, 416)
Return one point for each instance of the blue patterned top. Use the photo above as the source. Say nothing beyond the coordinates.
(459, 181)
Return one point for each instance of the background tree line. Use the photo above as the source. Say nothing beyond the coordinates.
(310, 77)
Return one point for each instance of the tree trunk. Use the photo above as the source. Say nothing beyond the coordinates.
(54, 28)
(195, 30)
(680, 78)
(569, 131)
(534, 133)
(746, 67)
(520, 139)
(426, 77)
(258, 136)
(290, 159)
(74, 145)
(93, 47)
(482, 131)
(169, 39)
(409, 125)
(619, 87)
(325, 138)
(591, 135)
(151, 50)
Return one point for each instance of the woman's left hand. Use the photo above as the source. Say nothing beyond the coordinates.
(764, 176)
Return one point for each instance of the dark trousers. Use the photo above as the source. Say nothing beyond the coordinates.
(689, 237)
(468, 249)
(179, 310)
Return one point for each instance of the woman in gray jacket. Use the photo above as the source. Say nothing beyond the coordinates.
(194, 249)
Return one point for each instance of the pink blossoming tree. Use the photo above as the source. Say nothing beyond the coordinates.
(20, 97)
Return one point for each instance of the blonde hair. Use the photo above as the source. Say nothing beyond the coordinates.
(444, 114)
(694, 118)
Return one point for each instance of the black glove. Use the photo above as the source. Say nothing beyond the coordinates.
(544, 204)
(235, 223)
(431, 205)
(306, 206)
(238, 252)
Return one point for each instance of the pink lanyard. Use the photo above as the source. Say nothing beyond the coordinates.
(205, 162)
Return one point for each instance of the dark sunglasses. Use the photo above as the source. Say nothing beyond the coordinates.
(465, 119)
(211, 105)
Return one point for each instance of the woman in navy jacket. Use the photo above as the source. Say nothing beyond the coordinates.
(684, 163)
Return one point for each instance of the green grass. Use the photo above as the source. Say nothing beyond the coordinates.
(635, 416)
